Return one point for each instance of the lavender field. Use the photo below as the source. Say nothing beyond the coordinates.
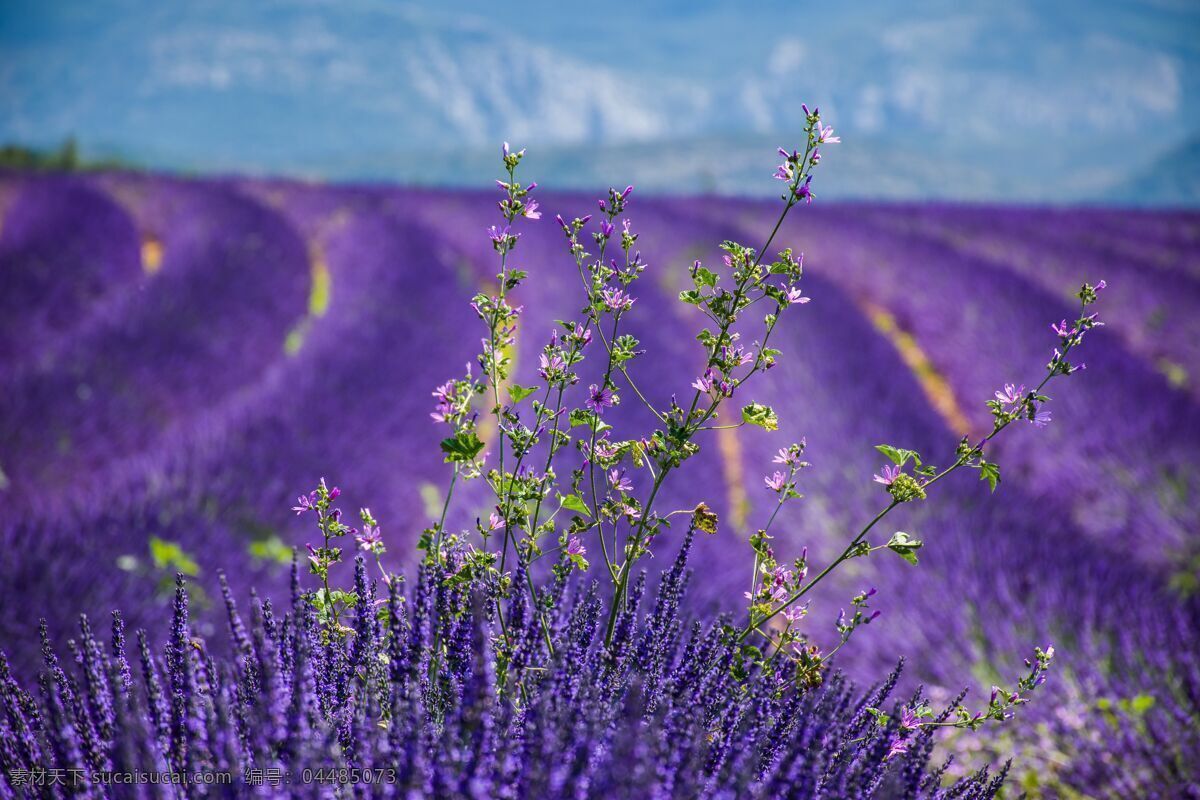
(179, 358)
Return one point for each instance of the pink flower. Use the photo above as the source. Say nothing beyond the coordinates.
(825, 135)
(889, 474)
(550, 364)
(370, 538)
(776, 482)
(617, 300)
(303, 503)
(1062, 330)
(1011, 394)
(793, 296)
(616, 477)
(529, 211)
(898, 746)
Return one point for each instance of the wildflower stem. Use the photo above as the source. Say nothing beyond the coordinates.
(962, 460)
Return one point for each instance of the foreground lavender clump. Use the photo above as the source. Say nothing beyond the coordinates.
(295, 712)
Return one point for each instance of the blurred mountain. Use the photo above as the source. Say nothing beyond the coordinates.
(1172, 179)
(996, 100)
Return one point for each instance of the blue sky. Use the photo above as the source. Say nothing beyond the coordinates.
(1027, 100)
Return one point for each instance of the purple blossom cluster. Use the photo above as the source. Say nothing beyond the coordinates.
(654, 713)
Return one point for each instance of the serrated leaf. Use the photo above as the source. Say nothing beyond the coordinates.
(517, 393)
(705, 277)
(463, 446)
(989, 472)
(760, 415)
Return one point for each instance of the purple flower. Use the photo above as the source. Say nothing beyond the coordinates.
(529, 210)
(776, 482)
(606, 227)
(909, 720)
(1041, 419)
(795, 612)
(804, 191)
(888, 475)
(1011, 394)
(825, 134)
(616, 477)
(575, 547)
(1101, 285)
(793, 296)
(303, 503)
(445, 402)
(1062, 330)
(370, 538)
(550, 364)
(704, 383)
(898, 746)
(599, 398)
(617, 300)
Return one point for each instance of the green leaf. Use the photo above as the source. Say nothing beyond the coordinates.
(691, 297)
(583, 416)
(461, 447)
(899, 455)
(705, 277)
(989, 472)
(905, 546)
(271, 548)
(760, 415)
(575, 503)
(517, 393)
(169, 555)
(1141, 703)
